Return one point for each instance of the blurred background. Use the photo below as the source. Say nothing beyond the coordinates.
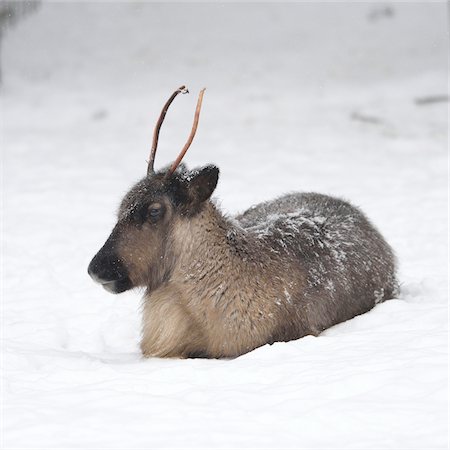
(349, 99)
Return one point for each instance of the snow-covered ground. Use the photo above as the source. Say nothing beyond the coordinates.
(313, 97)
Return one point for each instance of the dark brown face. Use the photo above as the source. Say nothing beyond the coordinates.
(137, 251)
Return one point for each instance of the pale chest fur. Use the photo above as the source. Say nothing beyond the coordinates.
(216, 317)
(217, 301)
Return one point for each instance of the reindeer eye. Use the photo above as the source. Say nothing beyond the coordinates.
(154, 212)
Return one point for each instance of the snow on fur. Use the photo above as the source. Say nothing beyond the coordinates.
(301, 97)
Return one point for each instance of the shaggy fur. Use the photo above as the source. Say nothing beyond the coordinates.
(220, 287)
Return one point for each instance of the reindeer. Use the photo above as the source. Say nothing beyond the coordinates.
(219, 286)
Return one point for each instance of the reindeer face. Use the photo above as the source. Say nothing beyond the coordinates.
(138, 251)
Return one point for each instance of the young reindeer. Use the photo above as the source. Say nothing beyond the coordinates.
(217, 286)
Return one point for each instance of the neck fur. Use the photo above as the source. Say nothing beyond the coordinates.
(208, 243)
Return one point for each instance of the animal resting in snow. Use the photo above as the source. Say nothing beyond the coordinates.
(219, 286)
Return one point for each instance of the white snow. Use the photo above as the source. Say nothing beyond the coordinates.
(319, 97)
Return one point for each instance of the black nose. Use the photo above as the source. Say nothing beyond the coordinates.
(94, 271)
(106, 267)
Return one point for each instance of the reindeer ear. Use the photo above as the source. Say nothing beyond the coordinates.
(202, 183)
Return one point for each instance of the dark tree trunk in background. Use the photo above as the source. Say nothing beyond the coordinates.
(10, 13)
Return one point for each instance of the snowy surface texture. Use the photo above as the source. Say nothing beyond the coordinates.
(343, 99)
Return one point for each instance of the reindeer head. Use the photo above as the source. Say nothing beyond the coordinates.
(138, 251)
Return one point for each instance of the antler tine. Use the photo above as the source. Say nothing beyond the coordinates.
(151, 162)
(175, 164)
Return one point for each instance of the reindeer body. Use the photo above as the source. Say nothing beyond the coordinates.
(219, 286)
(282, 270)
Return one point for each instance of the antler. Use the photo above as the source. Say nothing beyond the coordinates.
(175, 164)
(151, 162)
